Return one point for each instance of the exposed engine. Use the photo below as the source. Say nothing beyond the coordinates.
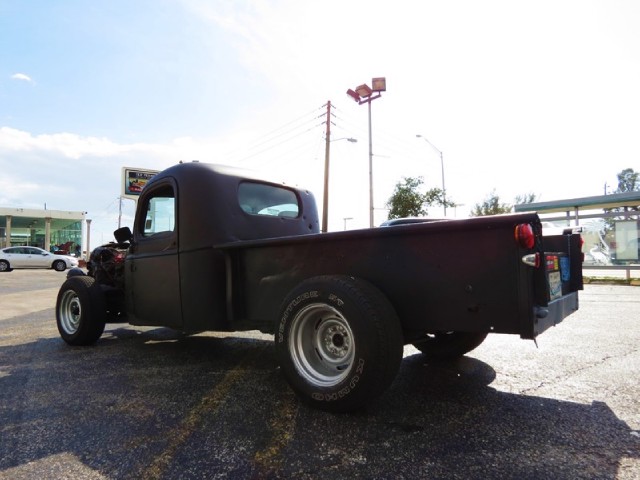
(106, 264)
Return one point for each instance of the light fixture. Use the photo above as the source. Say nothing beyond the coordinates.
(364, 91)
(379, 84)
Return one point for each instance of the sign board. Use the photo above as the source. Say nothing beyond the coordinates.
(627, 237)
(134, 180)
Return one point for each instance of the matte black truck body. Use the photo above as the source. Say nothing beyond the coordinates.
(217, 249)
(462, 275)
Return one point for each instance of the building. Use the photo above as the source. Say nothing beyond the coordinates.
(49, 229)
(611, 224)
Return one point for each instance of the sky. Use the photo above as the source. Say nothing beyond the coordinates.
(519, 96)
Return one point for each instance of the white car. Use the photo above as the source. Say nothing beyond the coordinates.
(34, 257)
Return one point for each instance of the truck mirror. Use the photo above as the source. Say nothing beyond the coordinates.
(123, 235)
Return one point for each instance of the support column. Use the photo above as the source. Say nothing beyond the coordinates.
(88, 239)
(47, 233)
(7, 231)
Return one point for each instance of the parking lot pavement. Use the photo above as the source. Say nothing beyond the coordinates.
(152, 403)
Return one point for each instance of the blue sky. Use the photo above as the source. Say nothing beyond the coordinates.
(521, 97)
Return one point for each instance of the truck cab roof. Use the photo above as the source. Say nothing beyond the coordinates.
(218, 204)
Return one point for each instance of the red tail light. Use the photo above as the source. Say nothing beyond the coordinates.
(524, 235)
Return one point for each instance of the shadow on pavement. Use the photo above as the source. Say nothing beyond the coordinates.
(156, 404)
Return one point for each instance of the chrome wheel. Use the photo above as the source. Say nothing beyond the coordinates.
(70, 312)
(321, 344)
(59, 266)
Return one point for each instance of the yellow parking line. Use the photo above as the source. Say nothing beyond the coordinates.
(267, 460)
(208, 406)
(282, 427)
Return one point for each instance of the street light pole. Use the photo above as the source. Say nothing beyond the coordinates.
(444, 198)
(370, 171)
(364, 94)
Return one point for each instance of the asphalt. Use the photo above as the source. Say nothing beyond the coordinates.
(151, 403)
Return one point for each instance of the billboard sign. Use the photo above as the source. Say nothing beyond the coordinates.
(134, 180)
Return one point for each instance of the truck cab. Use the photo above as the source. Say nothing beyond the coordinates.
(173, 273)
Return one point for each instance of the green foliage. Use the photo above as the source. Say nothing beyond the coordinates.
(628, 181)
(526, 198)
(491, 205)
(408, 201)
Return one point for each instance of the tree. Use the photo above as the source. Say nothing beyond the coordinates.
(491, 205)
(628, 181)
(408, 201)
(526, 198)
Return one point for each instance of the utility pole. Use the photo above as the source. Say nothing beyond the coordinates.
(119, 211)
(327, 146)
(325, 198)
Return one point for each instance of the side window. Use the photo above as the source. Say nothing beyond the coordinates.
(262, 199)
(160, 212)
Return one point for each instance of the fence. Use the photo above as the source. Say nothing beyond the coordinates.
(618, 270)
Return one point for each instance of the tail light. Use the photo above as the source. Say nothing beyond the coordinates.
(533, 260)
(524, 235)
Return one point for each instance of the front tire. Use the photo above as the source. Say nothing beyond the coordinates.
(59, 266)
(4, 266)
(80, 311)
(449, 345)
(339, 342)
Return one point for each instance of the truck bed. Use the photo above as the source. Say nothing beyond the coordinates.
(453, 275)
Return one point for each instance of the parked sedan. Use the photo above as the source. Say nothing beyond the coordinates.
(34, 257)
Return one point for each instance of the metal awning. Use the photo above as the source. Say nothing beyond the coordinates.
(615, 200)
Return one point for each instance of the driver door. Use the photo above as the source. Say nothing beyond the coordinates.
(152, 270)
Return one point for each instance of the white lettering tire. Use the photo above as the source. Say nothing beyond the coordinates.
(339, 342)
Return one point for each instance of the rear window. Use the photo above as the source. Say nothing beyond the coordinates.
(263, 199)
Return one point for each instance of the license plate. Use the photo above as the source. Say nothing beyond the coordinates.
(555, 285)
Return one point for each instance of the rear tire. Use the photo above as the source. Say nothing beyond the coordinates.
(339, 342)
(449, 345)
(80, 311)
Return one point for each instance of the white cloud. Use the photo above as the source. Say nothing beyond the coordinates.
(69, 145)
(72, 172)
(23, 77)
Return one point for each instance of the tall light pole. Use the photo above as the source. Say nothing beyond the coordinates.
(444, 198)
(365, 94)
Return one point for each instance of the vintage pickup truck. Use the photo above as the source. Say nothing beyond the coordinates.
(217, 249)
